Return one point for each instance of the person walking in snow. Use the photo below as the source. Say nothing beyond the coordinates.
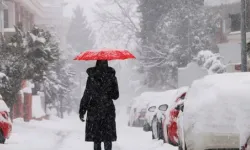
(97, 101)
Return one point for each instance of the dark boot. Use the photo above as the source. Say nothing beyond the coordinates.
(97, 146)
(108, 145)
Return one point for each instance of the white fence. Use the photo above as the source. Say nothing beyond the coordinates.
(192, 72)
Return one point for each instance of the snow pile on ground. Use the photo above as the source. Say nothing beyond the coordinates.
(37, 111)
(219, 103)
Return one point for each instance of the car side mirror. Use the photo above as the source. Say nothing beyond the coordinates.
(180, 107)
(163, 107)
(152, 109)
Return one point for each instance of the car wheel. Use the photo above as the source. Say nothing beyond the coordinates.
(180, 147)
(2, 139)
(160, 131)
(155, 133)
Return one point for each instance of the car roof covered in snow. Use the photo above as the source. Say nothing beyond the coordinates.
(220, 99)
(168, 97)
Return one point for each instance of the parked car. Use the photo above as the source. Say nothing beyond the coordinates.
(169, 124)
(155, 109)
(161, 114)
(138, 111)
(157, 121)
(5, 122)
(216, 113)
(170, 130)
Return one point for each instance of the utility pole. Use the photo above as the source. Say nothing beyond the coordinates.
(243, 37)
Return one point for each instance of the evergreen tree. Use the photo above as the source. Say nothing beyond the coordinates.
(80, 35)
(58, 87)
(26, 57)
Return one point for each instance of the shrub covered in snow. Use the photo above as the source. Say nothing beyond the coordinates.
(212, 62)
(26, 56)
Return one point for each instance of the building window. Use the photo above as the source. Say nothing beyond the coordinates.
(6, 18)
(235, 22)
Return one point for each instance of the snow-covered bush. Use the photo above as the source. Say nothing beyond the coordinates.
(212, 62)
(25, 57)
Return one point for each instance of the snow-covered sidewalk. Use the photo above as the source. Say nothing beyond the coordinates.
(57, 134)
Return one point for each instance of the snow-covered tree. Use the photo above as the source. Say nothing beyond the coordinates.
(173, 32)
(119, 23)
(25, 57)
(80, 35)
(43, 49)
(58, 87)
(211, 61)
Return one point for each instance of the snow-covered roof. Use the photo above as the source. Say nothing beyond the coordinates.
(219, 2)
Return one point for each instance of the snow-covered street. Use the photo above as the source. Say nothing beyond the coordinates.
(57, 134)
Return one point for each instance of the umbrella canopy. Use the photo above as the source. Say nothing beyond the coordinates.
(105, 54)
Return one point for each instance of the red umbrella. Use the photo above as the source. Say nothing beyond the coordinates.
(105, 54)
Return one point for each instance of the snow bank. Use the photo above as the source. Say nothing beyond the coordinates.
(219, 104)
(37, 111)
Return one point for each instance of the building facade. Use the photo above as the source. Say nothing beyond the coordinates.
(32, 12)
(21, 11)
(230, 46)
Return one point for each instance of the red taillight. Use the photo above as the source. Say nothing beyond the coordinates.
(174, 113)
(4, 114)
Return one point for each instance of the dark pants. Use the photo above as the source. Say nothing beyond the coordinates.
(107, 146)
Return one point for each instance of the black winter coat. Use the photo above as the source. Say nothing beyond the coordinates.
(101, 90)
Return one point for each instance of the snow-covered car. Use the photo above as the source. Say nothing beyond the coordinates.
(138, 111)
(5, 122)
(216, 113)
(170, 129)
(158, 119)
(155, 109)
